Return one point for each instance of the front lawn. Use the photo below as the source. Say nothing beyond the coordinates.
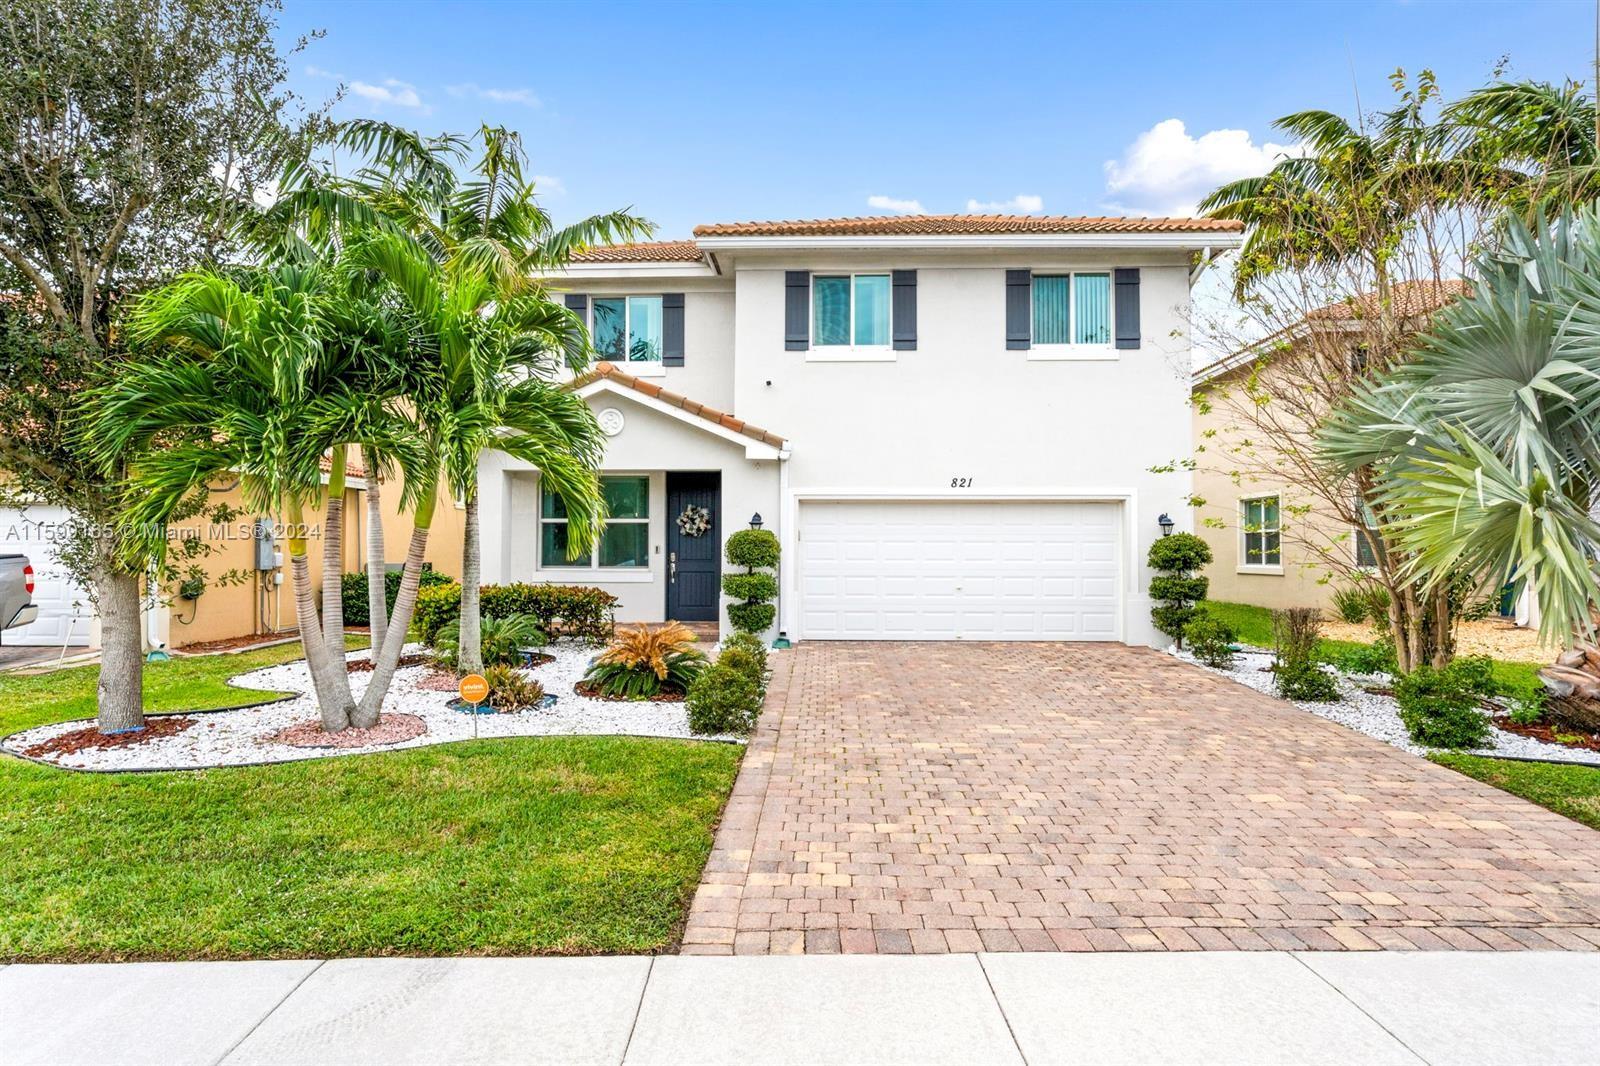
(1570, 790)
(554, 845)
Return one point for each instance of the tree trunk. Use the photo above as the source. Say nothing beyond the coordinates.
(329, 679)
(120, 694)
(405, 600)
(470, 646)
(377, 599)
(333, 557)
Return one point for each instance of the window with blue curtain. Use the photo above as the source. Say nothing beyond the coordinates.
(1093, 293)
(1052, 309)
(872, 309)
(830, 311)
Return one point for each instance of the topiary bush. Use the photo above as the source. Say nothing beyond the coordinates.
(353, 591)
(723, 699)
(1296, 635)
(1443, 708)
(1211, 640)
(755, 550)
(1176, 587)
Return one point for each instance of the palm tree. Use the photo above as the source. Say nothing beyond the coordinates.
(1488, 441)
(1544, 134)
(256, 375)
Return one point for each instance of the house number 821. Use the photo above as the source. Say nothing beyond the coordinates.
(961, 482)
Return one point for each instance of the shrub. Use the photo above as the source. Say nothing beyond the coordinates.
(723, 699)
(437, 608)
(1527, 707)
(1211, 640)
(578, 611)
(755, 550)
(353, 591)
(1375, 658)
(743, 660)
(1352, 604)
(501, 640)
(1441, 707)
(645, 659)
(751, 643)
(1177, 588)
(1296, 634)
(509, 690)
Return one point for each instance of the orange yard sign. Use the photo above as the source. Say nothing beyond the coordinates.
(474, 688)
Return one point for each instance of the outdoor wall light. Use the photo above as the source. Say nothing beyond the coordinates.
(1166, 523)
(755, 520)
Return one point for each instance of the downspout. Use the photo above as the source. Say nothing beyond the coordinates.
(786, 533)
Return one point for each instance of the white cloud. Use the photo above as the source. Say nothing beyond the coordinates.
(1165, 171)
(548, 183)
(889, 203)
(1020, 204)
(392, 91)
(525, 97)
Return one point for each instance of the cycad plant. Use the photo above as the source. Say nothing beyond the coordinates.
(644, 659)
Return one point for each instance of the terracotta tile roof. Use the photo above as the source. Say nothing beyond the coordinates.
(699, 410)
(352, 463)
(651, 252)
(917, 225)
(1408, 298)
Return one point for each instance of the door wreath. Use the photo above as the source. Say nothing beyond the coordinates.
(694, 521)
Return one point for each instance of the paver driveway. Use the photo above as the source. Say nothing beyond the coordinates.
(952, 797)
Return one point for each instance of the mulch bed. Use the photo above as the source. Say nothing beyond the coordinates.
(439, 681)
(91, 739)
(203, 647)
(1586, 741)
(365, 666)
(666, 695)
(391, 729)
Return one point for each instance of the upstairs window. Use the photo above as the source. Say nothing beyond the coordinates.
(627, 329)
(625, 542)
(1073, 308)
(1259, 532)
(850, 310)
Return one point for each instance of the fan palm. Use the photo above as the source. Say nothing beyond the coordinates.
(1488, 442)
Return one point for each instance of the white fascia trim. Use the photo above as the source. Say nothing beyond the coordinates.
(753, 449)
(965, 241)
(636, 270)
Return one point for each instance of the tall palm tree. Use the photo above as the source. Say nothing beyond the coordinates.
(1489, 439)
(1544, 134)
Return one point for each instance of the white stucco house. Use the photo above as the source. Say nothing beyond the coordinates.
(954, 424)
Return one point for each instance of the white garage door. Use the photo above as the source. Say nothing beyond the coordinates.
(885, 570)
(62, 604)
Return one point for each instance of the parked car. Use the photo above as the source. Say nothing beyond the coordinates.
(16, 591)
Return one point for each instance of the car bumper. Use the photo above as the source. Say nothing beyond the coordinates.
(23, 617)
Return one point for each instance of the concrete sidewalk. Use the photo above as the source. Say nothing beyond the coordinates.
(1199, 1007)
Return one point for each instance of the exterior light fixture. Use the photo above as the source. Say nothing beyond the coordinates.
(1166, 523)
(755, 520)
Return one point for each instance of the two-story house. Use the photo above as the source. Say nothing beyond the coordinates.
(959, 427)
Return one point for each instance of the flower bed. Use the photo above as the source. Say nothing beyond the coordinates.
(252, 735)
(1378, 715)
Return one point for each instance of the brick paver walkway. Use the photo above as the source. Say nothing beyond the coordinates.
(957, 797)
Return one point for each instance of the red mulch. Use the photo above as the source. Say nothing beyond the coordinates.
(666, 695)
(366, 666)
(1547, 734)
(439, 681)
(201, 647)
(391, 729)
(91, 739)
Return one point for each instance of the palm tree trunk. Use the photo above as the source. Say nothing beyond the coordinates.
(385, 661)
(333, 556)
(329, 680)
(377, 599)
(470, 646)
(119, 703)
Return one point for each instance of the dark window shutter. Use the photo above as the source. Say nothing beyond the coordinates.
(672, 329)
(796, 310)
(1019, 309)
(1127, 307)
(904, 310)
(578, 304)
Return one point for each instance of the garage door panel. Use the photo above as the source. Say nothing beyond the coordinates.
(960, 570)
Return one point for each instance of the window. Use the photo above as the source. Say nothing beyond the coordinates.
(625, 542)
(1258, 526)
(1072, 309)
(850, 310)
(1366, 536)
(627, 329)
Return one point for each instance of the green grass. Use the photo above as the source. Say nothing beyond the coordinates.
(519, 846)
(1570, 790)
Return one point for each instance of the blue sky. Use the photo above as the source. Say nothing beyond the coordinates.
(698, 112)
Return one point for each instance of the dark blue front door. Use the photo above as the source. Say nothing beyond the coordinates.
(694, 564)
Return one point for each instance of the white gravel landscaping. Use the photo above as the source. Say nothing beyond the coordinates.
(244, 736)
(1377, 715)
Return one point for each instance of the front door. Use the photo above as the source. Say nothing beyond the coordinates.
(694, 560)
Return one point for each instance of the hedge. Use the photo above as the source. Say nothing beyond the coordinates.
(353, 590)
(579, 611)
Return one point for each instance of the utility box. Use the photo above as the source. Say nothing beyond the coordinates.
(266, 547)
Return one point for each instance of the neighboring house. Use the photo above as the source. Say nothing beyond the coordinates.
(1276, 540)
(956, 425)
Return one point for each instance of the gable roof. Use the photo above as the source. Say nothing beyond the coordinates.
(607, 372)
(643, 252)
(917, 225)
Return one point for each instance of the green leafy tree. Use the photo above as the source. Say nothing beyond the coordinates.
(131, 132)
